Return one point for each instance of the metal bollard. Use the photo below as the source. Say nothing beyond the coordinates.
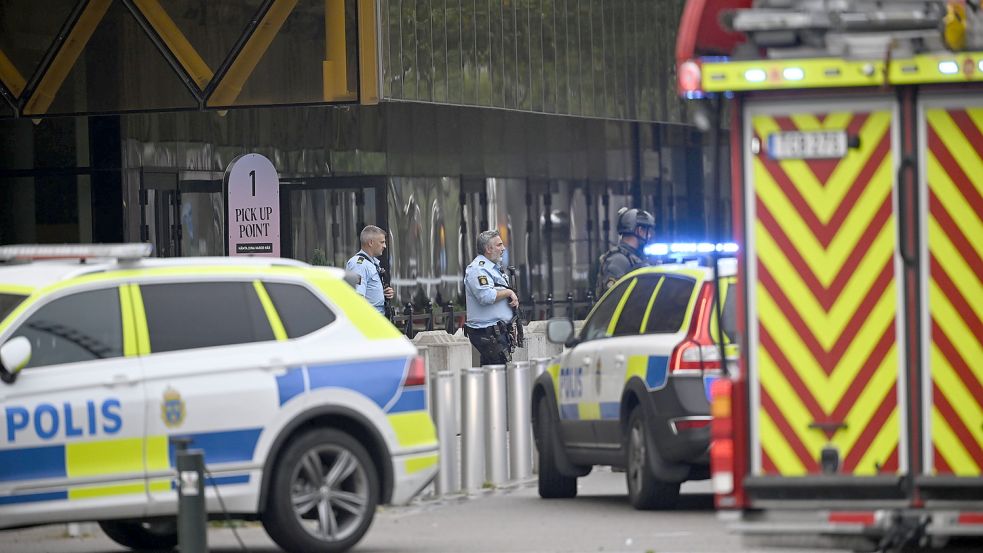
(445, 417)
(496, 453)
(520, 421)
(192, 532)
(472, 428)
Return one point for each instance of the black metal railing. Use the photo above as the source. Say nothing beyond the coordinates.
(411, 319)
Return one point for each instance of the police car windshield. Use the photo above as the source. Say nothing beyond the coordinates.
(8, 302)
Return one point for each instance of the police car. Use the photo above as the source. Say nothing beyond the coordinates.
(309, 406)
(631, 389)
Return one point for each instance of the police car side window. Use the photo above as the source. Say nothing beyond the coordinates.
(81, 327)
(669, 308)
(189, 315)
(630, 321)
(597, 324)
(301, 312)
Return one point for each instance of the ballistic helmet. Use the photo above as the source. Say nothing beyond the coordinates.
(629, 219)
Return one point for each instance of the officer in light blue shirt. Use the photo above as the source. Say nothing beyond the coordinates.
(365, 264)
(490, 301)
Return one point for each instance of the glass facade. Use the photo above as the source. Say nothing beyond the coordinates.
(583, 121)
(593, 58)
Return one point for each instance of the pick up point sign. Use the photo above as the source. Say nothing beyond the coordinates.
(252, 197)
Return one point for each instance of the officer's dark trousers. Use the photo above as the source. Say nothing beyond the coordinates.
(493, 348)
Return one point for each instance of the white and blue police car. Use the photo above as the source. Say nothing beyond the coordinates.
(309, 407)
(631, 389)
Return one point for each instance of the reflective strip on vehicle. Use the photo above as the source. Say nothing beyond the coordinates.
(104, 457)
(33, 497)
(418, 464)
(275, 323)
(378, 380)
(588, 411)
(413, 429)
(621, 307)
(410, 399)
(372, 324)
(129, 325)
(140, 320)
(827, 363)
(32, 463)
(954, 156)
(648, 308)
(223, 446)
(89, 492)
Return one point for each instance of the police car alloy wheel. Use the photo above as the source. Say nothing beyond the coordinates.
(644, 490)
(156, 535)
(324, 494)
(552, 483)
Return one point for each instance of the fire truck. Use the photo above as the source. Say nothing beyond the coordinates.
(855, 407)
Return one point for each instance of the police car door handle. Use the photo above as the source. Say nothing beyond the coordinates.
(619, 360)
(275, 365)
(120, 380)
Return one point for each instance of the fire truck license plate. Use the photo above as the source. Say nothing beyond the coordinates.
(808, 145)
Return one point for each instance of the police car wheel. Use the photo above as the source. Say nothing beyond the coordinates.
(323, 493)
(552, 483)
(645, 491)
(155, 535)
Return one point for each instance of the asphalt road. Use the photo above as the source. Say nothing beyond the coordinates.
(500, 521)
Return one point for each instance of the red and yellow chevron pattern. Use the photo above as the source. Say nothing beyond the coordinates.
(826, 300)
(955, 288)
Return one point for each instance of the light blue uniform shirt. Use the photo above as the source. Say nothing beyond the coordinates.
(482, 280)
(369, 281)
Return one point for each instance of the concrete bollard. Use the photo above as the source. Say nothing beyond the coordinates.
(496, 454)
(444, 409)
(520, 421)
(472, 428)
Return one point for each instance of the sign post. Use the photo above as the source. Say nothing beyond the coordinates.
(252, 199)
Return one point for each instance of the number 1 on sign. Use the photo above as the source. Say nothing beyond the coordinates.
(252, 175)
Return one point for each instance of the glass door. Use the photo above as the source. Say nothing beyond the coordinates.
(322, 217)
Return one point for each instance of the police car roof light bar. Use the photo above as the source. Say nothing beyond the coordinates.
(661, 248)
(120, 252)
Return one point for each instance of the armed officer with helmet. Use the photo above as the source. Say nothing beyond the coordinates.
(490, 301)
(635, 227)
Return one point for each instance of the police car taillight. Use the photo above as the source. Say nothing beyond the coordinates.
(417, 374)
(722, 442)
(698, 351)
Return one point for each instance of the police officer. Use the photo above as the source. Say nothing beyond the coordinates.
(489, 300)
(635, 227)
(365, 264)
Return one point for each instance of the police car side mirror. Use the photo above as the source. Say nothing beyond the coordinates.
(14, 355)
(559, 331)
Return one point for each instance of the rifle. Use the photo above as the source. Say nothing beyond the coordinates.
(516, 322)
(386, 283)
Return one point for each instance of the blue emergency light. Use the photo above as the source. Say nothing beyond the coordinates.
(684, 248)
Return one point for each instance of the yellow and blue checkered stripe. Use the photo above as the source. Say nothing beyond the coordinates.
(382, 382)
(653, 369)
(123, 456)
(379, 380)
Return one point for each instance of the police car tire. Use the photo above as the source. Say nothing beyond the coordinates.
(645, 491)
(155, 535)
(279, 519)
(552, 483)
